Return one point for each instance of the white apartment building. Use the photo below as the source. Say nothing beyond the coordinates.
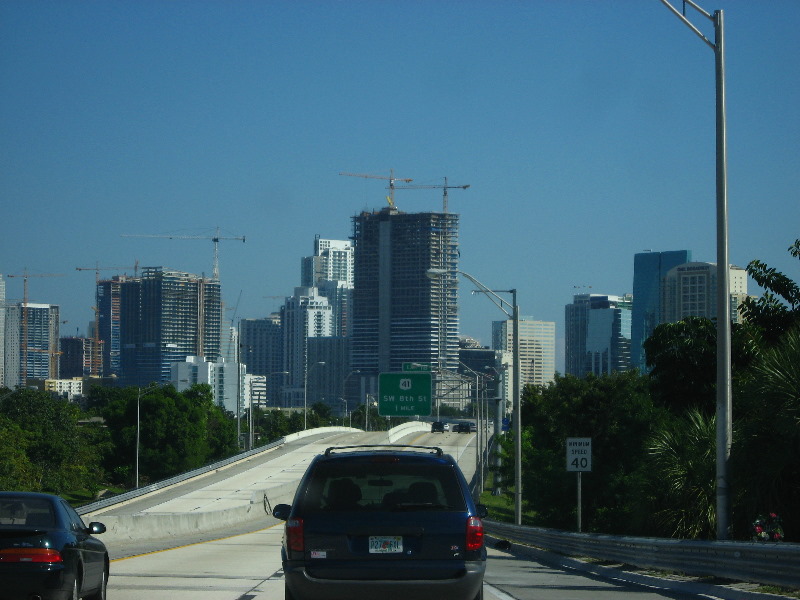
(227, 380)
(71, 388)
(304, 315)
(537, 348)
(690, 290)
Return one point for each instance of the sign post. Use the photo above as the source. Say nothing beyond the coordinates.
(404, 394)
(579, 459)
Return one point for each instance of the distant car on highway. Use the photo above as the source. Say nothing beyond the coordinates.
(383, 522)
(437, 427)
(47, 552)
(463, 427)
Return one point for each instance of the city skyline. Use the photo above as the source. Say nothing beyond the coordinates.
(585, 132)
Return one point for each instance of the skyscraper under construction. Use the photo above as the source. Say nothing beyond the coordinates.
(401, 314)
(156, 319)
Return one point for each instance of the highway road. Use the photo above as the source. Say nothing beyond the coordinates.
(242, 561)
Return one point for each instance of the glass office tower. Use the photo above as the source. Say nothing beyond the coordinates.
(649, 270)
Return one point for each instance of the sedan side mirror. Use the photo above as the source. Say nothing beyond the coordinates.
(95, 527)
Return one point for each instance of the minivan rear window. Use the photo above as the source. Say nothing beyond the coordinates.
(382, 485)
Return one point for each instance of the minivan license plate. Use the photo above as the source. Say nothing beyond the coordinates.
(385, 544)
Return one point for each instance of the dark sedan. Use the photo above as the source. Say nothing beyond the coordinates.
(47, 552)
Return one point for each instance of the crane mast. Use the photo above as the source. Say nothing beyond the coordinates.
(391, 179)
(444, 189)
(214, 238)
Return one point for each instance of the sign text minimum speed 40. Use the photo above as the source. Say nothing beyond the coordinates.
(579, 454)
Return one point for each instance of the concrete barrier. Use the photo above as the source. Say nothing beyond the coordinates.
(153, 525)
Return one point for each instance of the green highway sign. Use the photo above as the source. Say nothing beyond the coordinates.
(404, 394)
(412, 366)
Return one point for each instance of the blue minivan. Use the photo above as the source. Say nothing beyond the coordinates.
(388, 522)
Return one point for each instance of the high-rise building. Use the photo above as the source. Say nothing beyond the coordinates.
(326, 383)
(109, 294)
(227, 380)
(537, 348)
(261, 349)
(598, 334)
(330, 270)
(31, 344)
(165, 316)
(400, 313)
(649, 270)
(332, 261)
(76, 357)
(304, 315)
(485, 365)
(690, 290)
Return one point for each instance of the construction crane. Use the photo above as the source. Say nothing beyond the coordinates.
(214, 238)
(25, 275)
(97, 362)
(444, 188)
(391, 178)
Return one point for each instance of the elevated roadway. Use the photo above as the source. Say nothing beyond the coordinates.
(209, 538)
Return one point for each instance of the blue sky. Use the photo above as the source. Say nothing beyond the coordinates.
(585, 130)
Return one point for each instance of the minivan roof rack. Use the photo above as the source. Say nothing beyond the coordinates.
(434, 449)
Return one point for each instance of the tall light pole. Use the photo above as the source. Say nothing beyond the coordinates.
(512, 311)
(138, 425)
(724, 395)
(305, 392)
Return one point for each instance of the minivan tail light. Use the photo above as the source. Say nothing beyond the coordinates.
(294, 535)
(30, 555)
(474, 534)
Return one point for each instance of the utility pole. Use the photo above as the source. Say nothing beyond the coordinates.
(724, 377)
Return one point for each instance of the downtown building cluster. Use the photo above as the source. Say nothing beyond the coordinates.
(364, 306)
(606, 333)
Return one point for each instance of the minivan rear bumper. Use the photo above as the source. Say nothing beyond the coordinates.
(302, 585)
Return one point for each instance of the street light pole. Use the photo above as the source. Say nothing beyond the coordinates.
(513, 314)
(724, 385)
(138, 426)
(305, 393)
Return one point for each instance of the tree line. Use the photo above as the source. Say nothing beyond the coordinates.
(49, 444)
(654, 434)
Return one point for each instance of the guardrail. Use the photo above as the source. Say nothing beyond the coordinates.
(775, 563)
(154, 487)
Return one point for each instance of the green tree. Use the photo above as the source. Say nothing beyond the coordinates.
(683, 453)
(178, 431)
(766, 450)
(271, 426)
(683, 361)
(617, 413)
(16, 470)
(778, 309)
(57, 449)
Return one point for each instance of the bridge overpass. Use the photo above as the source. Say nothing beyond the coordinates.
(209, 537)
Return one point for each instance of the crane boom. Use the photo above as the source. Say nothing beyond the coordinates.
(214, 238)
(444, 187)
(391, 179)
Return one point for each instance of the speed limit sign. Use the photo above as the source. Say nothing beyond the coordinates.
(579, 454)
